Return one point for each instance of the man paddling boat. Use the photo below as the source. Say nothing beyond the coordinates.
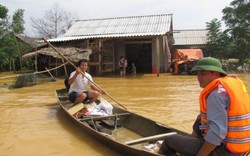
(78, 83)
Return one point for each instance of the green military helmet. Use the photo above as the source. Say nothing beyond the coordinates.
(208, 64)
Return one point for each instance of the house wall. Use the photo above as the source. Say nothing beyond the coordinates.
(189, 46)
(120, 50)
(162, 54)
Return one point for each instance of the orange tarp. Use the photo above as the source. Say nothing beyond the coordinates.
(183, 55)
(189, 53)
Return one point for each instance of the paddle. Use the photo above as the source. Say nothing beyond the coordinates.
(82, 73)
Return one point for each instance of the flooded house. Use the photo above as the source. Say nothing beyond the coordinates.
(144, 40)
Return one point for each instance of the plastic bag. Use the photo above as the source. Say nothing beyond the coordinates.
(102, 108)
(105, 106)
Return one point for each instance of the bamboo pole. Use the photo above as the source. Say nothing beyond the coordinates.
(83, 73)
(39, 72)
(49, 73)
(44, 71)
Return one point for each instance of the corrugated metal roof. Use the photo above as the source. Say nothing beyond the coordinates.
(150, 25)
(190, 37)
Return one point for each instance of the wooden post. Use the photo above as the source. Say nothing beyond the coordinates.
(164, 50)
(167, 52)
(100, 56)
(36, 69)
(157, 51)
(14, 67)
(87, 46)
(56, 69)
(49, 62)
(10, 64)
(65, 69)
(113, 44)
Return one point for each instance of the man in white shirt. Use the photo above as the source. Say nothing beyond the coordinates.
(78, 83)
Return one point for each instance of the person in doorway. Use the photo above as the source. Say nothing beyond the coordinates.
(133, 69)
(78, 82)
(223, 125)
(123, 65)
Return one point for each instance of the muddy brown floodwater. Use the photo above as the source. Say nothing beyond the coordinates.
(31, 122)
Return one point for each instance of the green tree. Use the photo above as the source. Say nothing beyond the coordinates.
(218, 41)
(18, 21)
(11, 49)
(4, 27)
(8, 51)
(3, 12)
(237, 19)
(18, 28)
(3, 30)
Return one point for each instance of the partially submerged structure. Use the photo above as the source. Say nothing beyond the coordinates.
(184, 59)
(143, 40)
(48, 58)
(189, 47)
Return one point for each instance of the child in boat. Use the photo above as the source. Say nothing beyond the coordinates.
(78, 82)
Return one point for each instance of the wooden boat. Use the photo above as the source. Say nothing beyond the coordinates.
(144, 130)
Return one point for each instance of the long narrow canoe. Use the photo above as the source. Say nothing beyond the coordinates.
(112, 129)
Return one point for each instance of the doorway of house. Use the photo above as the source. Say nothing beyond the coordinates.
(141, 55)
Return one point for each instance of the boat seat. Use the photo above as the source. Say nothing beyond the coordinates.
(76, 108)
(87, 118)
(150, 138)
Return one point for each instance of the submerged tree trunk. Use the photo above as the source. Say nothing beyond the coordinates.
(10, 63)
(14, 67)
(19, 53)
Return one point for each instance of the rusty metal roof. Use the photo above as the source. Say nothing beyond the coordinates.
(191, 37)
(132, 26)
(72, 53)
(34, 42)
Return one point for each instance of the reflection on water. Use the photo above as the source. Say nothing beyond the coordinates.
(31, 122)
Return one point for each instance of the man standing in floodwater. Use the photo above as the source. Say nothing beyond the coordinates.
(78, 83)
(223, 125)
